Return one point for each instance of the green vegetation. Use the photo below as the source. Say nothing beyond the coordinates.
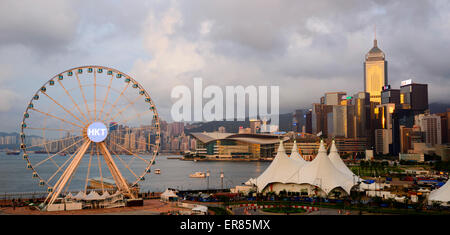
(372, 168)
(284, 210)
(441, 166)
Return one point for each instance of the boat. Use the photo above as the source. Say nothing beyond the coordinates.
(14, 152)
(157, 171)
(198, 174)
(62, 154)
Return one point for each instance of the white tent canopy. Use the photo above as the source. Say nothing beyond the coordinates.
(279, 171)
(372, 187)
(105, 195)
(295, 155)
(339, 163)
(80, 195)
(322, 173)
(441, 194)
(251, 181)
(93, 195)
(168, 194)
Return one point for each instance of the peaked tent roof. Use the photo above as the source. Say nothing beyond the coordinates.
(168, 193)
(322, 173)
(295, 155)
(337, 161)
(281, 169)
(105, 195)
(93, 195)
(441, 194)
(80, 195)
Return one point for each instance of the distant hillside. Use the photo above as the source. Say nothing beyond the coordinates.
(9, 134)
(438, 107)
(233, 126)
(230, 126)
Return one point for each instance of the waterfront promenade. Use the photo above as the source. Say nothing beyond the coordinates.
(151, 207)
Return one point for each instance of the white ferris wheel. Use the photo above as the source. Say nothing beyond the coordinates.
(90, 128)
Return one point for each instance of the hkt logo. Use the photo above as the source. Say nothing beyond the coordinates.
(97, 132)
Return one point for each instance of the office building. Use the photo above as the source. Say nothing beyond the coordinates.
(414, 96)
(389, 95)
(375, 72)
(334, 98)
(431, 125)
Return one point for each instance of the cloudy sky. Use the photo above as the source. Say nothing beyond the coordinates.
(305, 47)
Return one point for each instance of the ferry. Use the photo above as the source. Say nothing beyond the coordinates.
(198, 174)
(14, 152)
(157, 171)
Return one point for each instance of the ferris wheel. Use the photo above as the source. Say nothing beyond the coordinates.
(90, 128)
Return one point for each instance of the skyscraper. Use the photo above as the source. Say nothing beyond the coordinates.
(375, 72)
(389, 95)
(414, 96)
(431, 125)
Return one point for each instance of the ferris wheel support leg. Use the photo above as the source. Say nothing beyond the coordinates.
(68, 173)
(122, 184)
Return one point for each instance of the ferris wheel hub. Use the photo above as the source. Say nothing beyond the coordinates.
(97, 132)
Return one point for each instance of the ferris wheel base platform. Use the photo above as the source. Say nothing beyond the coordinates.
(134, 202)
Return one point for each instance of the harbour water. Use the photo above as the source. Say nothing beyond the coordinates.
(15, 177)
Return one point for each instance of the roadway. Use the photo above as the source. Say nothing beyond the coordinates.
(321, 211)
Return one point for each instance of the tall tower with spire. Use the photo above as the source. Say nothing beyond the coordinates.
(375, 72)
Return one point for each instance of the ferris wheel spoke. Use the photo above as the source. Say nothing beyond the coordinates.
(67, 111)
(68, 172)
(73, 101)
(53, 129)
(95, 95)
(137, 141)
(115, 102)
(53, 116)
(50, 157)
(38, 145)
(125, 108)
(106, 97)
(128, 151)
(60, 167)
(84, 97)
(138, 115)
(88, 169)
(100, 168)
(124, 163)
(121, 183)
(131, 161)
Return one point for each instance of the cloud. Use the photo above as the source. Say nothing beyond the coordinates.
(44, 25)
(305, 47)
(7, 99)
